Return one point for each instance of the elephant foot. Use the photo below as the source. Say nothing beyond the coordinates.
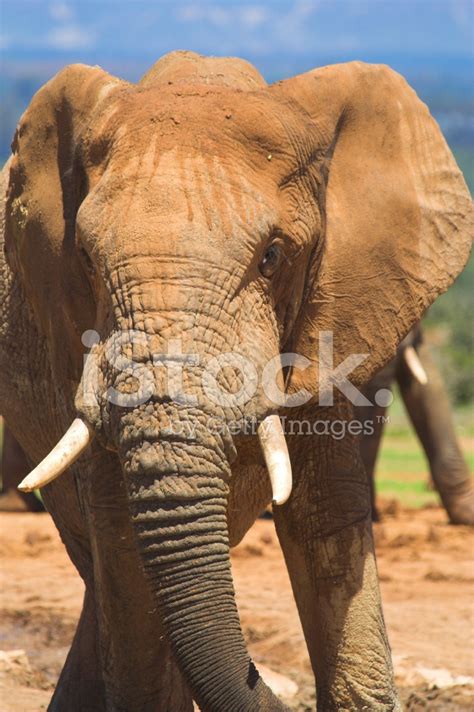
(461, 509)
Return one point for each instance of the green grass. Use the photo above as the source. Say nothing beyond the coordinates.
(402, 470)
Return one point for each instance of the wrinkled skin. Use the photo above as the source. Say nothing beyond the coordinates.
(152, 207)
(429, 410)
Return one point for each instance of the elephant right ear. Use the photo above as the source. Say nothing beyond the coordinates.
(397, 213)
(43, 194)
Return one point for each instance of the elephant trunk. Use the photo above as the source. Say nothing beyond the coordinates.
(178, 488)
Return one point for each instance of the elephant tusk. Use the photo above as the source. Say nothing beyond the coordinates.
(415, 366)
(277, 459)
(72, 444)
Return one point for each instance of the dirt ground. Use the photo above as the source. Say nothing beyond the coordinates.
(427, 578)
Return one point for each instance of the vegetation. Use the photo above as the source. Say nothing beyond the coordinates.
(402, 469)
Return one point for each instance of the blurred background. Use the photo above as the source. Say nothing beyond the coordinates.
(431, 42)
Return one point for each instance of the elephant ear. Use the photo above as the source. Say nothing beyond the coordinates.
(43, 195)
(398, 217)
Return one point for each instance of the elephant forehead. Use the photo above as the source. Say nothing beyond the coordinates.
(205, 162)
(247, 127)
(174, 195)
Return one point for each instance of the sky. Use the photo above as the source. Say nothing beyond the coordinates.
(280, 36)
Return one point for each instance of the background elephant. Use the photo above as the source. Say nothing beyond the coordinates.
(428, 407)
(157, 236)
(15, 467)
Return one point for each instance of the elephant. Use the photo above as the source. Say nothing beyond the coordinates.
(427, 404)
(15, 467)
(183, 256)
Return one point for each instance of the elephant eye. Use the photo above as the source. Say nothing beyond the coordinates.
(270, 262)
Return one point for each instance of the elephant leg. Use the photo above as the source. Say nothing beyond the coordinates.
(119, 659)
(326, 537)
(80, 686)
(429, 410)
(139, 671)
(369, 450)
(373, 418)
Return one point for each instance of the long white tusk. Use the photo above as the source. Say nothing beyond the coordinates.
(415, 366)
(275, 452)
(72, 444)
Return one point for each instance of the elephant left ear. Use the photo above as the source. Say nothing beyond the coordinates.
(398, 216)
(43, 195)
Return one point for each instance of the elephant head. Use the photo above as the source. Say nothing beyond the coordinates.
(204, 209)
